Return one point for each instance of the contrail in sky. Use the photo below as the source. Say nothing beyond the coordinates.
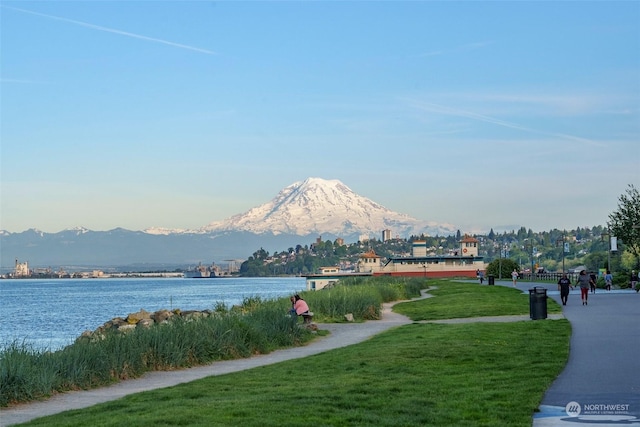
(488, 119)
(111, 30)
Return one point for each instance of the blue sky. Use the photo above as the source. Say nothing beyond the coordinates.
(176, 114)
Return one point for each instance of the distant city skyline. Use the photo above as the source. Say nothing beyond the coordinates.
(178, 114)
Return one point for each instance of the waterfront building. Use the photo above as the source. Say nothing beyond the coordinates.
(21, 269)
(464, 262)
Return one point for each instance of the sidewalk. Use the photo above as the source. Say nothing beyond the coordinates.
(601, 381)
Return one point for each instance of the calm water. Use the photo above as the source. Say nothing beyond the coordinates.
(53, 313)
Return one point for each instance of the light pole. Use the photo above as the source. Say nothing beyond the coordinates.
(531, 250)
(606, 234)
(564, 247)
(500, 263)
(503, 254)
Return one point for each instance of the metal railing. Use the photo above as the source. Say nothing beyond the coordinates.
(547, 277)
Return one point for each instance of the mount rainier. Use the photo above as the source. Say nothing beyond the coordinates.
(298, 214)
(319, 206)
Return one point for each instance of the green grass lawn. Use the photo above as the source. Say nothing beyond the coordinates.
(476, 374)
(461, 300)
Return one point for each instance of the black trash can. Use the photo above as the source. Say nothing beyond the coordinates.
(492, 279)
(538, 303)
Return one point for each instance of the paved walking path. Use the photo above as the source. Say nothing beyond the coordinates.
(602, 368)
(600, 384)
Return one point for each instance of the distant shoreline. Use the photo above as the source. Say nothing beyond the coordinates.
(171, 275)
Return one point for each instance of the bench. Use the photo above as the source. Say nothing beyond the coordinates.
(307, 317)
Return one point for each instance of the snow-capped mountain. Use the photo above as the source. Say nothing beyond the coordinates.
(317, 206)
(299, 214)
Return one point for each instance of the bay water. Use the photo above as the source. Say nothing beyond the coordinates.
(51, 314)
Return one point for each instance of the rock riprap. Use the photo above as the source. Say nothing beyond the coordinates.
(140, 319)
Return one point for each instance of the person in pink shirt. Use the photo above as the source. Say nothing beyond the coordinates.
(300, 306)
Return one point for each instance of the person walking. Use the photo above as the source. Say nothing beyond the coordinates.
(514, 277)
(584, 281)
(592, 283)
(563, 286)
(608, 280)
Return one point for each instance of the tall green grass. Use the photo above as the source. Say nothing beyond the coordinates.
(362, 297)
(27, 373)
(390, 288)
(256, 326)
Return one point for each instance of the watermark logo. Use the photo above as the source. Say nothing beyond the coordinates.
(605, 409)
(573, 409)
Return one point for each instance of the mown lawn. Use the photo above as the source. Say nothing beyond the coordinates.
(462, 300)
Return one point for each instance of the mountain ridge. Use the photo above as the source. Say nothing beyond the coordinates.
(298, 214)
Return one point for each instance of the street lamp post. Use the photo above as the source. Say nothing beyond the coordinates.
(503, 254)
(606, 234)
(562, 241)
(531, 250)
(500, 265)
(532, 276)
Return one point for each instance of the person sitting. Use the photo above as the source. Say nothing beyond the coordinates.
(300, 308)
(299, 305)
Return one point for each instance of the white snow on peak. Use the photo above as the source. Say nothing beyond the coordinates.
(163, 231)
(318, 206)
(78, 230)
